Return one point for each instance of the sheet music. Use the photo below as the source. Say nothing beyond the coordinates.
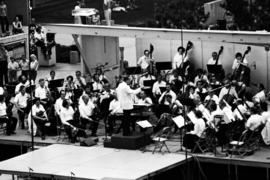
(144, 124)
(192, 117)
(205, 112)
(228, 115)
(179, 121)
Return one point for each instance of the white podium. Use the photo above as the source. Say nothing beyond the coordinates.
(46, 62)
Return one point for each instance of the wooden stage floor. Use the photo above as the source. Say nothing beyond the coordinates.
(64, 161)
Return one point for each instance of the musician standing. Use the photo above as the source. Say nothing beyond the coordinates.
(145, 61)
(125, 96)
(21, 103)
(213, 59)
(24, 65)
(179, 58)
(238, 60)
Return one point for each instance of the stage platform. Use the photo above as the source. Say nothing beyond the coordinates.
(65, 161)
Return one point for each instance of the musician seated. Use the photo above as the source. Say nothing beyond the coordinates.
(260, 96)
(101, 76)
(175, 77)
(213, 59)
(168, 91)
(176, 81)
(116, 112)
(42, 92)
(144, 100)
(86, 109)
(97, 84)
(191, 137)
(21, 103)
(200, 90)
(40, 117)
(146, 77)
(4, 117)
(228, 89)
(79, 81)
(156, 87)
(70, 125)
(87, 91)
(59, 102)
(211, 96)
(255, 120)
(69, 85)
(241, 110)
(213, 81)
(52, 77)
(23, 82)
(201, 77)
(214, 111)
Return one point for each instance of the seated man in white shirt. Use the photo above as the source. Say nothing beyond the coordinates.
(42, 92)
(228, 89)
(260, 96)
(255, 120)
(213, 59)
(86, 110)
(168, 91)
(79, 81)
(144, 78)
(40, 117)
(23, 82)
(144, 100)
(21, 103)
(191, 137)
(59, 102)
(238, 60)
(13, 67)
(116, 112)
(156, 87)
(178, 58)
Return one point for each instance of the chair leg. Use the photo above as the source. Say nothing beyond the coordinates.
(161, 146)
(167, 147)
(154, 148)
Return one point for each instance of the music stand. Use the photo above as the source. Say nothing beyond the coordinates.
(144, 124)
(163, 65)
(56, 83)
(180, 123)
(133, 70)
(214, 69)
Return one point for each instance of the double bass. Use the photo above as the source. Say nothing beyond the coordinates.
(242, 73)
(152, 68)
(185, 66)
(220, 74)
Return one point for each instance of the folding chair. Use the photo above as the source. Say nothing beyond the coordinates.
(161, 138)
(207, 141)
(61, 132)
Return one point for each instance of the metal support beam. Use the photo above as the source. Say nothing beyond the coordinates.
(242, 37)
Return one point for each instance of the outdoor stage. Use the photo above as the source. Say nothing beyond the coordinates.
(65, 161)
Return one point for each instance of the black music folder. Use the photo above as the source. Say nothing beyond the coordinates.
(214, 69)
(162, 89)
(149, 83)
(163, 65)
(133, 70)
(56, 83)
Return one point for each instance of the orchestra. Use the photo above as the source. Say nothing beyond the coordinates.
(225, 104)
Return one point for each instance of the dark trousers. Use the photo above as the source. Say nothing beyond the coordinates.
(93, 125)
(111, 122)
(72, 135)
(33, 75)
(25, 73)
(126, 122)
(3, 73)
(21, 116)
(4, 23)
(11, 123)
(40, 125)
(190, 140)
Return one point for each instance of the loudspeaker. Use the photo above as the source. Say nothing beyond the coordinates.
(88, 142)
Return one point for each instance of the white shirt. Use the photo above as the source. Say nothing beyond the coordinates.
(144, 62)
(144, 78)
(214, 98)
(1, 91)
(236, 63)
(34, 65)
(77, 82)
(165, 93)
(3, 109)
(124, 94)
(86, 110)
(225, 90)
(58, 105)
(115, 107)
(177, 60)
(41, 92)
(254, 121)
(156, 87)
(24, 65)
(260, 96)
(13, 65)
(36, 109)
(199, 127)
(204, 78)
(217, 112)
(97, 86)
(21, 100)
(211, 61)
(66, 114)
(146, 101)
(173, 78)
(18, 86)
